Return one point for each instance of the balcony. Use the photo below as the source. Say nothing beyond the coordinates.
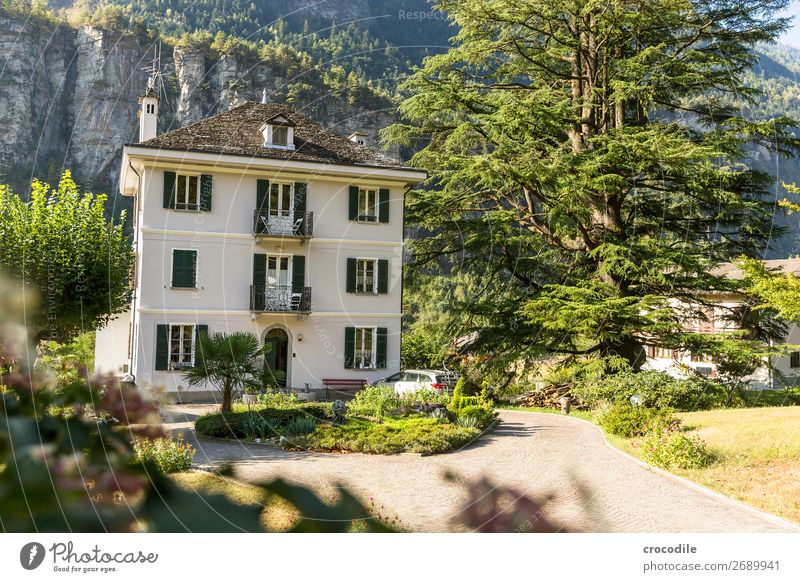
(291, 227)
(280, 299)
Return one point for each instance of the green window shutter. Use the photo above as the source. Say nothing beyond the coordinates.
(298, 273)
(162, 347)
(259, 269)
(383, 275)
(350, 286)
(169, 189)
(349, 347)
(184, 268)
(383, 205)
(193, 269)
(262, 196)
(300, 191)
(257, 294)
(353, 203)
(199, 331)
(206, 186)
(380, 347)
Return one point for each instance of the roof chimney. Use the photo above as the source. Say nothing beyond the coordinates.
(148, 114)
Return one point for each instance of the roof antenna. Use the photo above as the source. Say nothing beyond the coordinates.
(264, 96)
(155, 81)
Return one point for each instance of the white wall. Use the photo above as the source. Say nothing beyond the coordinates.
(319, 355)
(234, 200)
(225, 244)
(111, 346)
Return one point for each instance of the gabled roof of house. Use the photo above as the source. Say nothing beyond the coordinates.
(238, 132)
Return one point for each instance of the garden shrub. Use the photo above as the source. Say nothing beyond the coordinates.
(300, 426)
(278, 399)
(379, 401)
(657, 390)
(376, 401)
(424, 396)
(671, 449)
(483, 415)
(459, 392)
(468, 421)
(417, 434)
(170, 456)
(630, 421)
(255, 426)
(232, 424)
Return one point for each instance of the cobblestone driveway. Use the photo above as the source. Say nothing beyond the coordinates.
(595, 488)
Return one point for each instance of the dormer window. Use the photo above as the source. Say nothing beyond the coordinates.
(278, 133)
(280, 136)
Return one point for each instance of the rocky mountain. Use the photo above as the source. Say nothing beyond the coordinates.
(71, 74)
(69, 94)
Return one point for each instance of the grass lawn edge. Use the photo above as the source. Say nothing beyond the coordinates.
(687, 482)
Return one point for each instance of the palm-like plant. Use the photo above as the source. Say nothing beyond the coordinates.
(226, 361)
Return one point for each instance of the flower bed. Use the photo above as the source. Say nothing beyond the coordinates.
(378, 422)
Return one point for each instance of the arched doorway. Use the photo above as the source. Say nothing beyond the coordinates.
(276, 357)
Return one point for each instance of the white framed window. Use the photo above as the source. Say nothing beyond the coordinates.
(366, 275)
(278, 271)
(181, 345)
(365, 344)
(187, 192)
(281, 195)
(368, 204)
(280, 135)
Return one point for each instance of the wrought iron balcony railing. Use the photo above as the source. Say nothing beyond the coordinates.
(294, 226)
(280, 298)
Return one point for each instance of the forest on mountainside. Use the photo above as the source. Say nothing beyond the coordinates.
(330, 58)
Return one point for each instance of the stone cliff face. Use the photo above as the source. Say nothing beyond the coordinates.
(69, 98)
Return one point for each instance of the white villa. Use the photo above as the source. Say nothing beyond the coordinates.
(717, 320)
(260, 220)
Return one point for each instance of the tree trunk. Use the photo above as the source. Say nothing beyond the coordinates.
(227, 398)
(629, 348)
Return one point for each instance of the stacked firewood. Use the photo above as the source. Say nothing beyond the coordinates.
(546, 397)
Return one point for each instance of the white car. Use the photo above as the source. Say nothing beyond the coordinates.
(413, 380)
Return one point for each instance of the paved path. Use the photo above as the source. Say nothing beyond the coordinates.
(595, 487)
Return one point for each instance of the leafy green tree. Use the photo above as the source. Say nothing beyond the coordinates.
(776, 291)
(69, 361)
(583, 165)
(61, 245)
(227, 362)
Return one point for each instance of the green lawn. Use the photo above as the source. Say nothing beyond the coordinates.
(772, 397)
(278, 515)
(758, 455)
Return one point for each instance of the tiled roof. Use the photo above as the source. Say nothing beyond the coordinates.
(784, 266)
(238, 132)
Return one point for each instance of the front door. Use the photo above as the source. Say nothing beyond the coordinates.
(276, 357)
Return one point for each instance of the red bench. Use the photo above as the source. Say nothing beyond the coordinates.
(344, 385)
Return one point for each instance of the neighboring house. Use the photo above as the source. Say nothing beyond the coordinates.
(716, 320)
(261, 220)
